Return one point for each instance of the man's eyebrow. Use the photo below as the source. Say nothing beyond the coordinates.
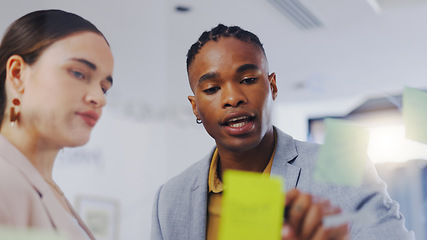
(207, 76)
(248, 66)
(86, 62)
(212, 75)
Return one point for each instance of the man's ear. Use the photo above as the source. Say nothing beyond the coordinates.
(15, 67)
(192, 100)
(273, 86)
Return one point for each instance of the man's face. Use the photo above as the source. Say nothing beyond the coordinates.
(233, 93)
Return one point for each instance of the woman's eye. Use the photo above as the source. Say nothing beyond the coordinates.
(77, 74)
(211, 90)
(248, 80)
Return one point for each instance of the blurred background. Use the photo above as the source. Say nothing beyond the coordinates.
(341, 58)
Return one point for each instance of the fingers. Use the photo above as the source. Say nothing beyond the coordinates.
(291, 196)
(289, 200)
(314, 216)
(305, 218)
(288, 233)
(298, 210)
(312, 221)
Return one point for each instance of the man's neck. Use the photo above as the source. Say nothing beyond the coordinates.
(254, 160)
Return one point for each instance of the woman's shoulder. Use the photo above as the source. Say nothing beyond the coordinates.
(13, 184)
(20, 202)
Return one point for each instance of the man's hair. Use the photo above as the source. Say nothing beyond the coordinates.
(222, 31)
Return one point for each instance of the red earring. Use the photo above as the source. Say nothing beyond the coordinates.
(14, 116)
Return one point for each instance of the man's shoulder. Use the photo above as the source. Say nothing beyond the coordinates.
(306, 147)
(292, 146)
(286, 138)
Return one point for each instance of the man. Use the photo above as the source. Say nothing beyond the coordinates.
(233, 98)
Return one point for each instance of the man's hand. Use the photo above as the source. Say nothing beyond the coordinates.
(304, 219)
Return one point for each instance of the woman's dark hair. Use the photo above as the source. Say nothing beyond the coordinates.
(31, 34)
(222, 31)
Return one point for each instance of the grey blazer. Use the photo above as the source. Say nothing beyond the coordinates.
(180, 206)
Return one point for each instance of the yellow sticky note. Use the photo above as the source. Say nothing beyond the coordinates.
(252, 206)
(343, 155)
(28, 234)
(414, 111)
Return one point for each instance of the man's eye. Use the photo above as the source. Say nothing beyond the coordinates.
(211, 90)
(248, 80)
(105, 89)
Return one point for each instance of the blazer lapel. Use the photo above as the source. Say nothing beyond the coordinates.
(64, 222)
(284, 156)
(198, 202)
(61, 220)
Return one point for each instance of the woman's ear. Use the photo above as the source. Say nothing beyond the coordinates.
(15, 67)
(192, 100)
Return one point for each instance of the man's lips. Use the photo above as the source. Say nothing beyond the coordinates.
(237, 119)
(90, 117)
(239, 123)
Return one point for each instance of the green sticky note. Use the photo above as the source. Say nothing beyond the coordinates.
(28, 234)
(414, 110)
(343, 155)
(252, 206)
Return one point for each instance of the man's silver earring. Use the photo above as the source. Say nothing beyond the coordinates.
(198, 121)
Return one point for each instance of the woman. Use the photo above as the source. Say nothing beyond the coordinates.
(55, 68)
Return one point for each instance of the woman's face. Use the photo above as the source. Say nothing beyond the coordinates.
(64, 91)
